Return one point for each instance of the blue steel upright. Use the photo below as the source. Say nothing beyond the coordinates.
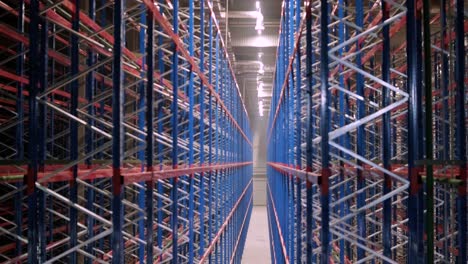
(117, 133)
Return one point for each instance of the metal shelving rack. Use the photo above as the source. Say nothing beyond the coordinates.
(124, 135)
(367, 133)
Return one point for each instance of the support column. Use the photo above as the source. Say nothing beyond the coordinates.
(175, 136)
(461, 129)
(149, 136)
(386, 135)
(117, 133)
(31, 177)
(411, 52)
(324, 129)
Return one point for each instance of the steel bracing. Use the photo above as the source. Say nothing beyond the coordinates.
(367, 135)
(124, 137)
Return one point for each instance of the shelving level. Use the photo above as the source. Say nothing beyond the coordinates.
(123, 134)
(367, 137)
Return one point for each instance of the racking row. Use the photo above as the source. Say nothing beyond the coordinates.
(124, 137)
(367, 159)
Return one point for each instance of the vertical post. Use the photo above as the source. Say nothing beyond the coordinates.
(386, 134)
(309, 135)
(324, 128)
(117, 133)
(289, 99)
(20, 128)
(191, 96)
(223, 145)
(420, 144)
(413, 134)
(342, 122)
(298, 213)
(210, 133)
(102, 22)
(42, 127)
(74, 92)
(51, 116)
(445, 82)
(149, 134)
(202, 128)
(285, 125)
(298, 137)
(360, 139)
(216, 173)
(428, 129)
(19, 96)
(461, 128)
(31, 177)
(175, 134)
(89, 137)
(141, 126)
(160, 130)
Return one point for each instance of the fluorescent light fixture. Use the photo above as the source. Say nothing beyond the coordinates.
(260, 92)
(259, 23)
(260, 108)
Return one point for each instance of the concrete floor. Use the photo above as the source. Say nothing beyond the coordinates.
(257, 250)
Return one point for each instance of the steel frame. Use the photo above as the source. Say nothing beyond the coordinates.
(367, 152)
(124, 135)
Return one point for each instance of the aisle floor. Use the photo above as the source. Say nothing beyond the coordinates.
(257, 250)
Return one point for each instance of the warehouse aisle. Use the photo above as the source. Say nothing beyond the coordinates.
(256, 246)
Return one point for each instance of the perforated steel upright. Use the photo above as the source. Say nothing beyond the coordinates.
(124, 135)
(375, 145)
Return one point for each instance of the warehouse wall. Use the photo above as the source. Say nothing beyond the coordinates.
(259, 127)
(259, 186)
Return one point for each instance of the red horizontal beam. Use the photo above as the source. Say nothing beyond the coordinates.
(290, 64)
(64, 60)
(284, 168)
(278, 226)
(213, 16)
(53, 16)
(163, 22)
(234, 251)
(288, 71)
(130, 175)
(439, 228)
(173, 173)
(400, 169)
(224, 225)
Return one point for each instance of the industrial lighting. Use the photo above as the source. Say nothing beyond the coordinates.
(260, 90)
(260, 54)
(262, 68)
(260, 107)
(259, 23)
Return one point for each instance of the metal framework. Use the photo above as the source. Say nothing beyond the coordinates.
(367, 134)
(124, 137)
